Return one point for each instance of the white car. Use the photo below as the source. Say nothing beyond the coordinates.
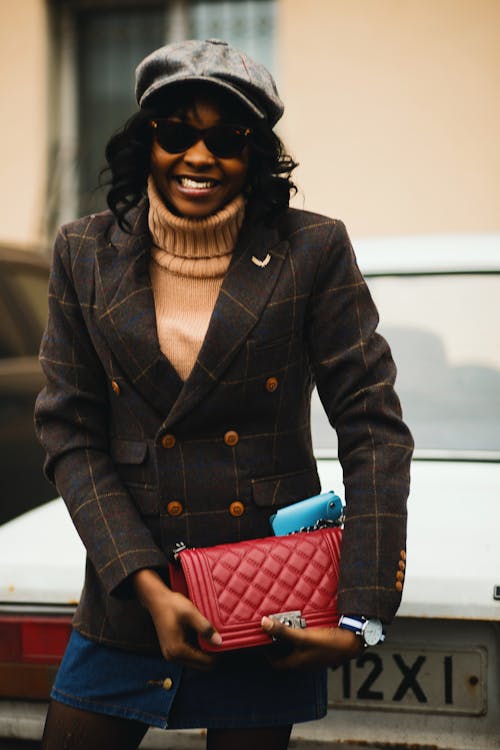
(436, 680)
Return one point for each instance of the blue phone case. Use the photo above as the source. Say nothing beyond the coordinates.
(325, 507)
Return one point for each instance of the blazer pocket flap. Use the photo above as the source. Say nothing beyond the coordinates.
(128, 451)
(284, 489)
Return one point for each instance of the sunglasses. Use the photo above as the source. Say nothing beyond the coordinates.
(223, 141)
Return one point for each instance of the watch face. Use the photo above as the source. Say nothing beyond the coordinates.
(372, 632)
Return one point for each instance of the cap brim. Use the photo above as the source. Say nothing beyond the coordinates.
(159, 87)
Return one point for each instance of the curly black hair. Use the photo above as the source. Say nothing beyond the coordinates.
(128, 155)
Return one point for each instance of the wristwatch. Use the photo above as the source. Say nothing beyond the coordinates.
(371, 630)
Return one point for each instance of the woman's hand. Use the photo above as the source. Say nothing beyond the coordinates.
(298, 648)
(177, 622)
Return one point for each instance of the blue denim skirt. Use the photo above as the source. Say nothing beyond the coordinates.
(242, 691)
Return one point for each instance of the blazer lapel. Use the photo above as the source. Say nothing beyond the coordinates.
(245, 291)
(125, 306)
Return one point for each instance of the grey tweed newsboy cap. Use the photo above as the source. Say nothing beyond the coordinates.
(213, 62)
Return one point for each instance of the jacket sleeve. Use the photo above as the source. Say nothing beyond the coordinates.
(355, 375)
(71, 422)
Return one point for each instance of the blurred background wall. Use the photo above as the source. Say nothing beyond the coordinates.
(394, 111)
(24, 121)
(392, 105)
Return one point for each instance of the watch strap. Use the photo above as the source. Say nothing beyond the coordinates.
(352, 623)
(360, 625)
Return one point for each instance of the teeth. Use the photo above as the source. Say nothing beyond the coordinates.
(187, 182)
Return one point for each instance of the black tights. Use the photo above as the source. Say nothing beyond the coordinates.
(70, 728)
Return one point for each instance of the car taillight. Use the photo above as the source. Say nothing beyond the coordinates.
(31, 648)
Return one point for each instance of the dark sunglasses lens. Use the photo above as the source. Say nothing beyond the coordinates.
(225, 141)
(175, 137)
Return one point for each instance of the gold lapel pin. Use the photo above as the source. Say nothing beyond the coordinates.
(261, 263)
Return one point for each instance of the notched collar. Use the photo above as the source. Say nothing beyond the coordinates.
(125, 306)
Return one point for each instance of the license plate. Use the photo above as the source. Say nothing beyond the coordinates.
(413, 679)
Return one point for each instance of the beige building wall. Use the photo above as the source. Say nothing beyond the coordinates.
(393, 110)
(23, 126)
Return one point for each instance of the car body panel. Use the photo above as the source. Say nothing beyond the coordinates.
(461, 253)
(456, 584)
(41, 558)
(412, 730)
(447, 580)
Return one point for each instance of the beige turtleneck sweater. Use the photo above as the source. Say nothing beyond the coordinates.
(189, 259)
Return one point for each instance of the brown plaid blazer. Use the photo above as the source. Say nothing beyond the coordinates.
(144, 460)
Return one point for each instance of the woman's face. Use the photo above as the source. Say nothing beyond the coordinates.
(195, 183)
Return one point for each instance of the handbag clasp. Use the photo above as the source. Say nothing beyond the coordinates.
(291, 619)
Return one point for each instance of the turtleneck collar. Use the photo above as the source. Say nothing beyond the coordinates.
(211, 237)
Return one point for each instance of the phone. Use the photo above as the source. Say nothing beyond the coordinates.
(326, 508)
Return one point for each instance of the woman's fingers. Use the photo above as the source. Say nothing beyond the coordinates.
(192, 620)
(310, 647)
(201, 625)
(178, 624)
(278, 630)
(190, 656)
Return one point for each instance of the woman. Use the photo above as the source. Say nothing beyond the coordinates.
(188, 325)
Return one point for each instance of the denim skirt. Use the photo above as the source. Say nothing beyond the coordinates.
(242, 691)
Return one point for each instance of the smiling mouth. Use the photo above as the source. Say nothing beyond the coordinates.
(195, 183)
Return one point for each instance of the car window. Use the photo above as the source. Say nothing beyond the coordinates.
(444, 334)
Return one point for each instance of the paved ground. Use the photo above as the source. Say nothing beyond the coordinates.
(24, 745)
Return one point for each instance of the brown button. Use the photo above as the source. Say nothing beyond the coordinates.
(167, 683)
(174, 508)
(236, 509)
(168, 441)
(400, 576)
(115, 387)
(402, 565)
(271, 384)
(231, 437)
(399, 586)
(402, 554)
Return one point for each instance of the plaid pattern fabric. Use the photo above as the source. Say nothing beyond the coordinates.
(304, 317)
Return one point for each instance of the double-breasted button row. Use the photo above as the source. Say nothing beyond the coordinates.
(176, 508)
(231, 438)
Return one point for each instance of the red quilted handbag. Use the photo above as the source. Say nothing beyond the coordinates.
(235, 585)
